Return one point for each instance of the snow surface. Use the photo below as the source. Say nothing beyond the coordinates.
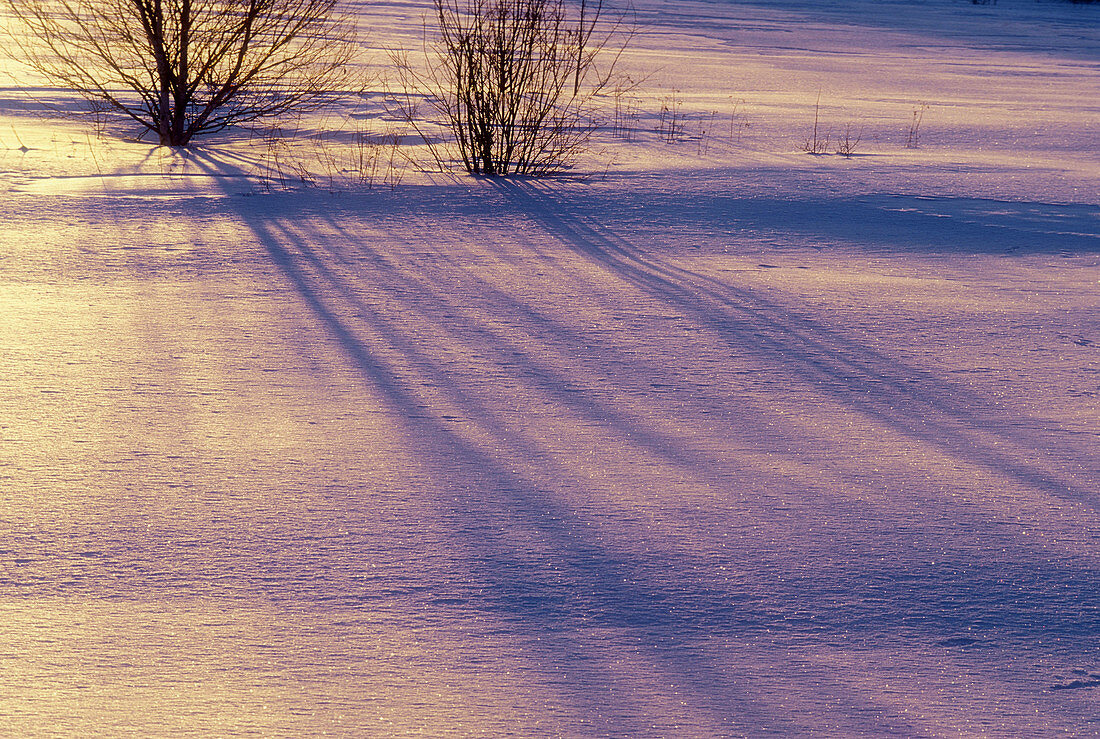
(720, 439)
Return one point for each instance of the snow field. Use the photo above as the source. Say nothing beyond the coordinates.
(727, 440)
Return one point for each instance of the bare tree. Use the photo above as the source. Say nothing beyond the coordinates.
(181, 68)
(514, 80)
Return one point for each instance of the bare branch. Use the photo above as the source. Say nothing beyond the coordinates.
(181, 68)
(514, 80)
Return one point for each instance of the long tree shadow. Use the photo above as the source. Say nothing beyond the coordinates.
(912, 401)
(585, 584)
(602, 590)
(564, 389)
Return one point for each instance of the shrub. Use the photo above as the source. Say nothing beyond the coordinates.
(181, 68)
(513, 81)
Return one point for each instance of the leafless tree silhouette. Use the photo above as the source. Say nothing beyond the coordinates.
(181, 68)
(514, 80)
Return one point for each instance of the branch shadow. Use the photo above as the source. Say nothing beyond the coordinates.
(912, 401)
(584, 584)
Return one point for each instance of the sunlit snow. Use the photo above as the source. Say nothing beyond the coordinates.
(710, 437)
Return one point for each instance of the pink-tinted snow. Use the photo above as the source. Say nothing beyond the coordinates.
(729, 440)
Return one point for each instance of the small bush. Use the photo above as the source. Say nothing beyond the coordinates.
(180, 68)
(514, 81)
